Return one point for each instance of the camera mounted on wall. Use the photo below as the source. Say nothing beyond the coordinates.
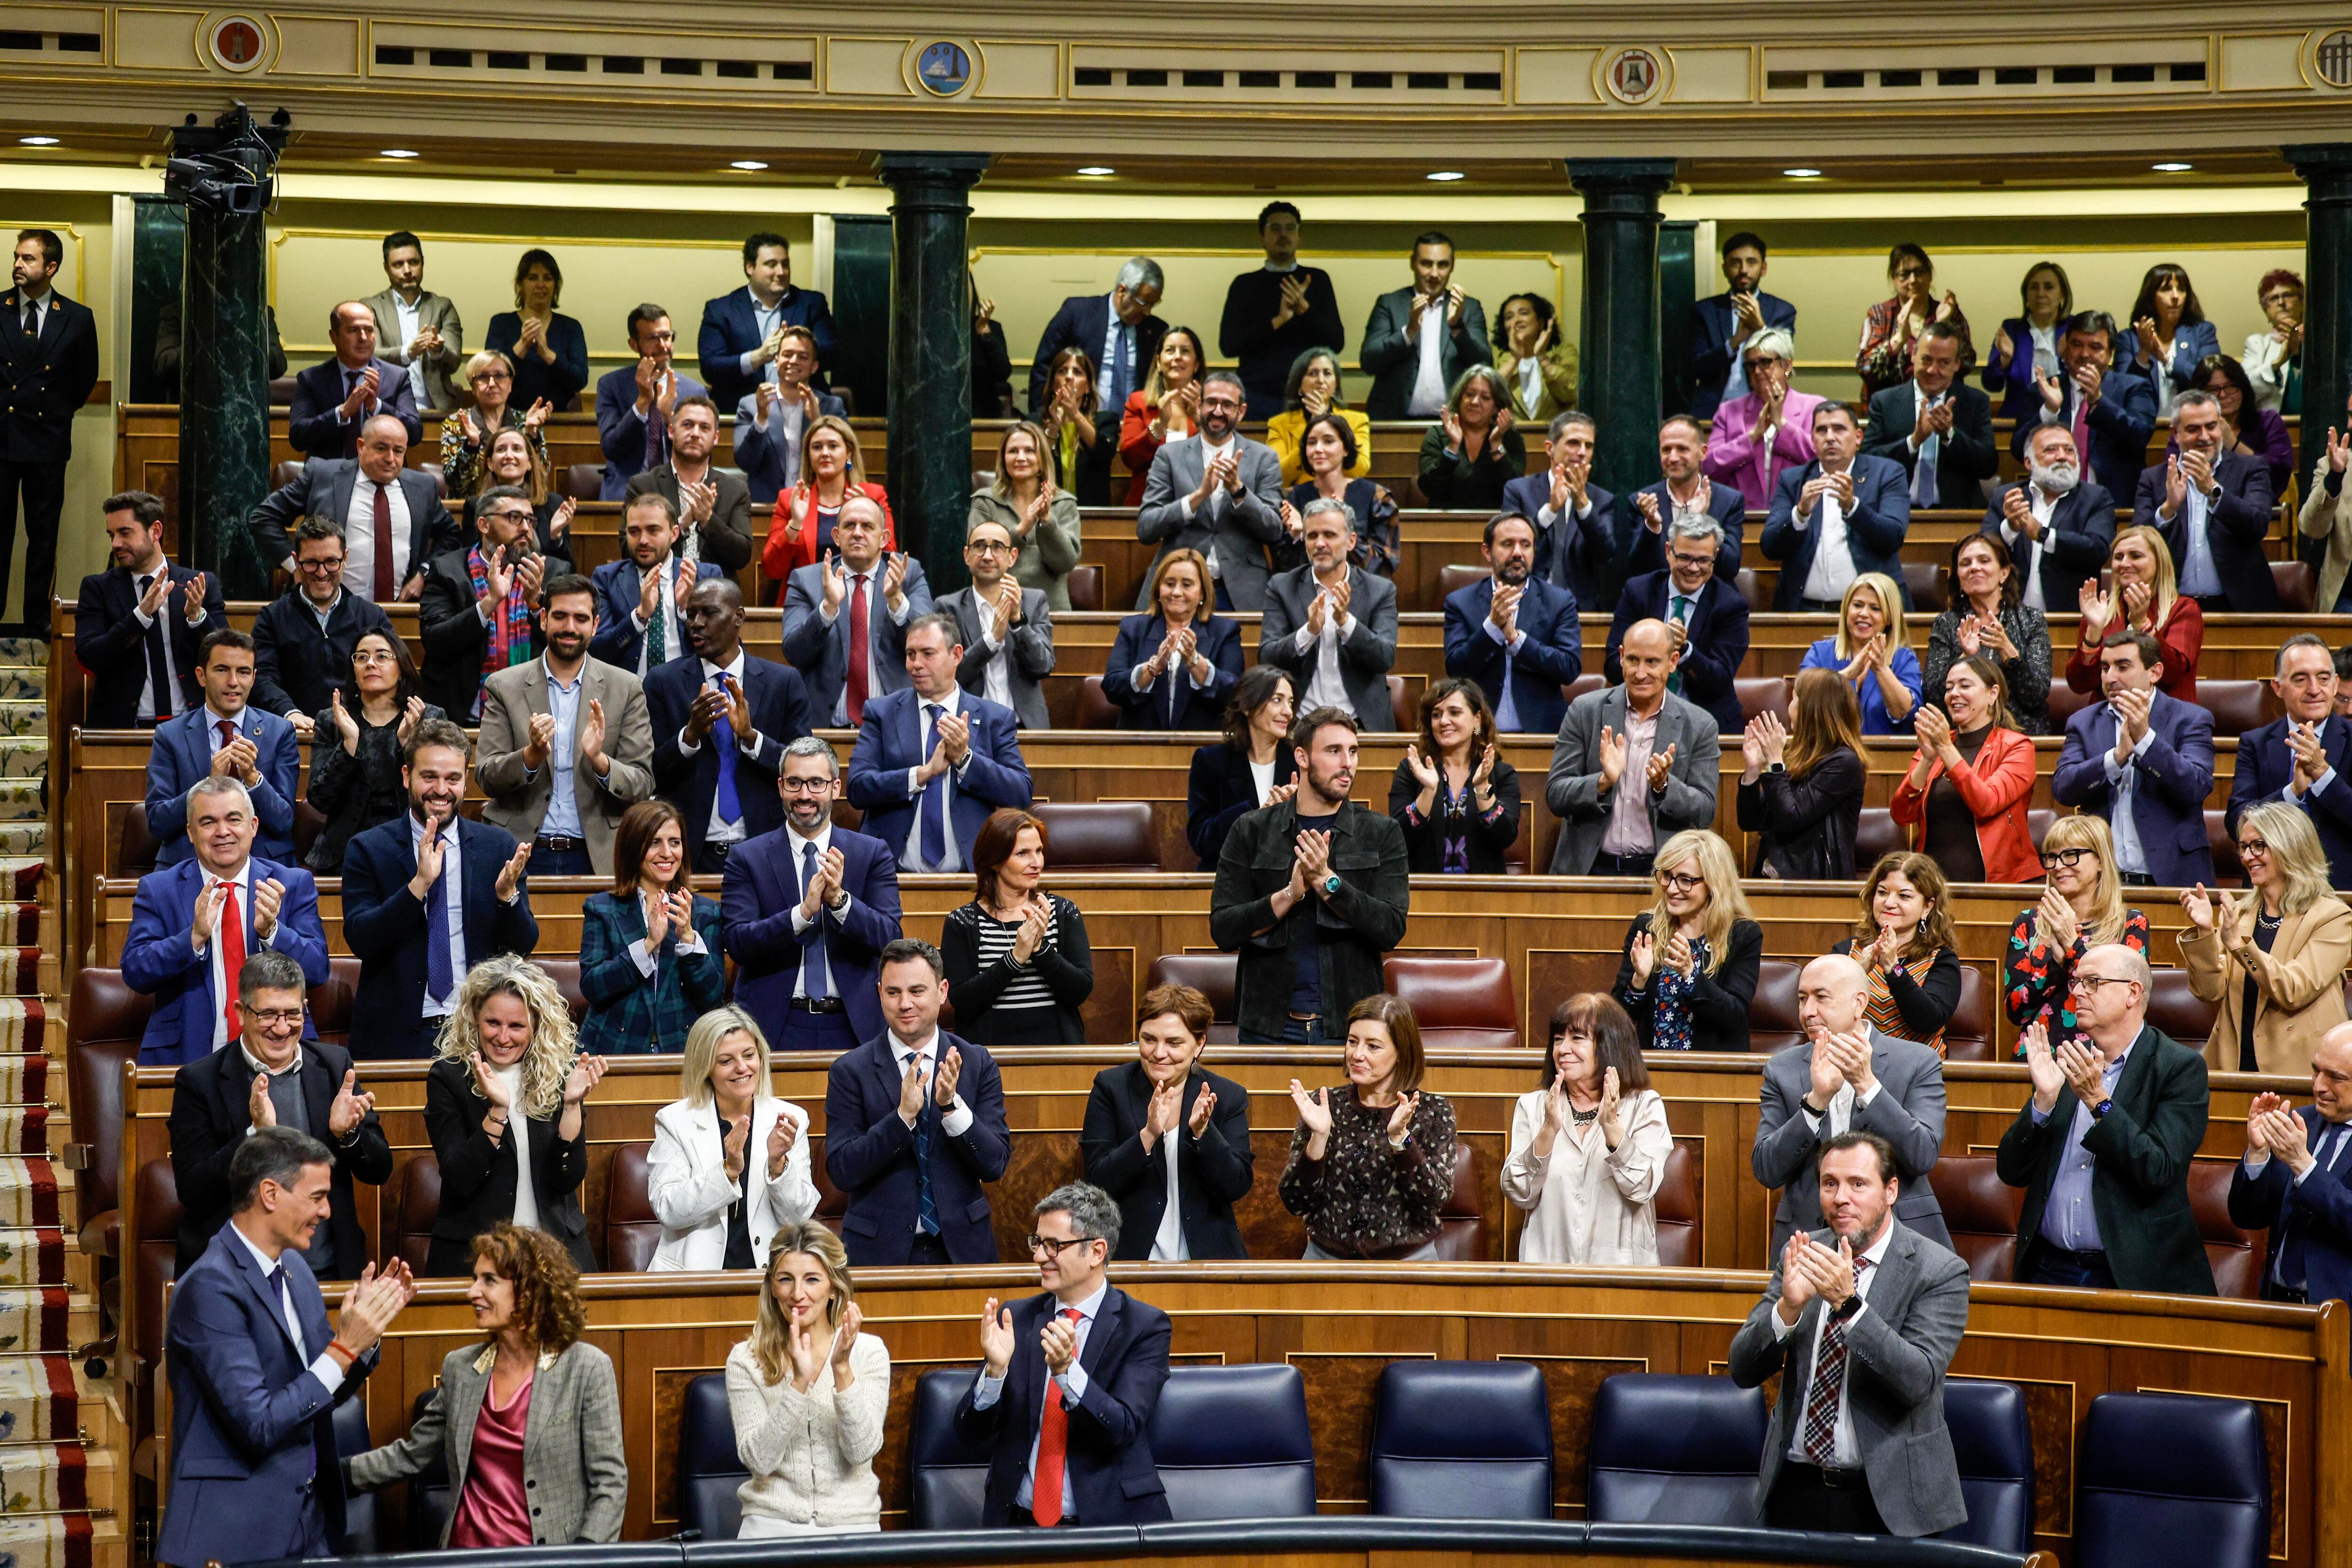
(230, 166)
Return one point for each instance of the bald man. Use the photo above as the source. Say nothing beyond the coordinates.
(333, 401)
(2296, 1180)
(1848, 1077)
(1634, 765)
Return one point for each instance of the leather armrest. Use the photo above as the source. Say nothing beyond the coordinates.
(101, 1234)
(76, 1156)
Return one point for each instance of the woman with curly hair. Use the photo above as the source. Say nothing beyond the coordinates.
(502, 1105)
(528, 1423)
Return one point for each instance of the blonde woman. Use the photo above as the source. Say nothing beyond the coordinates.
(1905, 944)
(1873, 652)
(2328, 518)
(2275, 962)
(2145, 598)
(503, 1109)
(808, 1393)
(1691, 958)
(2082, 908)
(730, 1168)
(1589, 1146)
(833, 469)
(1040, 516)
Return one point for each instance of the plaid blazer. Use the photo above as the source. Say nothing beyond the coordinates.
(630, 1013)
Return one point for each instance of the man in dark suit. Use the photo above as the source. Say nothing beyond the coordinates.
(1575, 519)
(2305, 758)
(257, 1368)
(1421, 336)
(807, 911)
(713, 503)
(139, 622)
(274, 1078)
(374, 498)
(914, 1123)
(223, 738)
(1168, 1140)
(303, 640)
(1720, 323)
(932, 762)
(738, 337)
(1006, 630)
(333, 400)
(1275, 312)
(426, 897)
(48, 369)
(1069, 1381)
(481, 609)
(2144, 761)
(640, 598)
(1684, 491)
(1331, 623)
(1936, 427)
(193, 924)
(633, 402)
(2110, 412)
(1515, 634)
(772, 422)
(2103, 1146)
(2295, 1182)
(1836, 518)
(2214, 508)
(1085, 322)
(721, 720)
(2057, 524)
(860, 586)
(1706, 617)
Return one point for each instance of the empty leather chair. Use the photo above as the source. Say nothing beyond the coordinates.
(104, 1022)
(582, 481)
(2037, 824)
(1085, 586)
(1982, 1213)
(281, 395)
(1676, 1212)
(1461, 1234)
(2237, 707)
(284, 474)
(2236, 1255)
(135, 853)
(1994, 1446)
(2066, 702)
(1968, 1037)
(1751, 588)
(565, 973)
(632, 1233)
(1212, 974)
(1461, 1440)
(949, 1476)
(1100, 835)
(2171, 1477)
(330, 1004)
(1402, 703)
(1669, 1449)
(2228, 870)
(1591, 681)
(361, 1536)
(150, 1261)
(1760, 694)
(2176, 1009)
(1877, 834)
(411, 1205)
(1772, 1015)
(1924, 582)
(1233, 1442)
(2298, 585)
(708, 1470)
(1095, 711)
(1458, 1002)
(1452, 579)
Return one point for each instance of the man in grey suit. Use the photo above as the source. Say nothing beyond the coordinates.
(1216, 492)
(1848, 1077)
(1007, 630)
(417, 331)
(1863, 1317)
(346, 491)
(1634, 765)
(1333, 625)
(856, 585)
(1420, 338)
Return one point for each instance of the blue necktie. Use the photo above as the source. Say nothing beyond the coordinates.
(934, 806)
(730, 805)
(816, 975)
(440, 978)
(927, 1208)
(1123, 368)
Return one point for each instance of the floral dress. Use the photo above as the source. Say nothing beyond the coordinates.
(1675, 988)
(2036, 977)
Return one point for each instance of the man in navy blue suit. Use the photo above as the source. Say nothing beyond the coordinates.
(1705, 616)
(914, 1123)
(2213, 508)
(257, 1369)
(139, 622)
(1574, 518)
(1685, 491)
(932, 762)
(2295, 1180)
(1069, 1381)
(193, 924)
(807, 911)
(721, 720)
(1515, 634)
(738, 340)
(2144, 761)
(426, 897)
(634, 404)
(1720, 323)
(2304, 758)
(640, 598)
(1085, 322)
(2057, 524)
(2110, 412)
(223, 738)
(1836, 518)
(1936, 427)
(333, 400)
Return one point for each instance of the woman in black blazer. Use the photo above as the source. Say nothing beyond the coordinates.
(507, 1074)
(1457, 798)
(1689, 989)
(553, 365)
(1018, 965)
(1202, 1118)
(1801, 791)
(1080, 438)
(1143, 679)
(355, 746)
(1244, 772)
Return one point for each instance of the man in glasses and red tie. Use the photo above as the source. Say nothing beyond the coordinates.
(223, 738)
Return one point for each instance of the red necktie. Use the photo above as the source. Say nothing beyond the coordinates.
(385, 589)
(859, 652)
(228, 732)
(232, 951)
(1053, 1439)
(2081, 431)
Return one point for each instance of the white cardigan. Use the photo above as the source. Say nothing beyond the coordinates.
(811, 1455)
(1588, 1203)
(686, 1179)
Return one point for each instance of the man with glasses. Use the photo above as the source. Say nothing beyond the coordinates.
(274, 1078)
(1218, 492)
(634, 404)
(2274, 356)
(1069, 1380)
(2295, 1180)
(303, 640)
(1007, 630)
(2304, 757)
(1704, 615)
(2144, 761)
(2102, 1147)
(2213, 508)
(480, 613)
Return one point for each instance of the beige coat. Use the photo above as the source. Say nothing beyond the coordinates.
(518, 798)
(1588, 1203)
(2299, 985)
(2329, 518)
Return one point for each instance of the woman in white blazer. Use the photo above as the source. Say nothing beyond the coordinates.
(730, 1162)
(1589, 1149)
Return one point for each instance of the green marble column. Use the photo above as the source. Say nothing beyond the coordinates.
(2326, 171)
(861, 311)
(1618, 380)
(1677, 291)
(158, 249)
(930, 355)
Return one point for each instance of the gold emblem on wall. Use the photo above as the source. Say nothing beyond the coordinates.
(239, 44)
(1633, 76)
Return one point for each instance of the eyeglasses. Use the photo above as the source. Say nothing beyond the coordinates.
(989, 547)
(320, 568)
(2089, 985)
(2052, 858)
(808, 786)
(274, 1019)
(2254, 847)
(492, 376)
(1053, 1248)
(1681, 882)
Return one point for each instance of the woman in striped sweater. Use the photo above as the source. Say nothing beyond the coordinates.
(1018, 966)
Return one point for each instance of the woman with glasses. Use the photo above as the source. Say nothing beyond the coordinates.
(1800, 787)
(1692, 957)
(1989, 616)
(2275, 962)
(355, 746)
(547, 348)
(1456, 797)
(1968, 784)
(2080, 908)
(1589, 1146)
(1372, 1161)
(2274, 356)
(2248, 428)
(1904, 942)
(489, 376)
(1891, 328)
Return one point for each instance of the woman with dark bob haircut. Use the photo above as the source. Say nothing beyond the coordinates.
(1018, 966)
(1371, 1161)
(1331, 456)
(1457, 798)
(549, 350)
(650, 948)
(1254, 766)
(1589, 1147)
(356, 742)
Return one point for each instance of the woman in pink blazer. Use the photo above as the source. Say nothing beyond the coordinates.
(1734, 455)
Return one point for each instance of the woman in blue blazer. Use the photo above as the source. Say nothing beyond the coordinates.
(2168, 334)
(649, 961)
(554, 364)
(2023, 341)
(1142, 680)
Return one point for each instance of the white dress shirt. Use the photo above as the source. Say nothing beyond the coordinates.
(673, 638)
(688, 940)
(996, 676)
(717, 831)
(326, 1368)
(1167, 1243)
(1842, 1107)
(411, 314)
(1845, 1449)
(242, 882)
(911, 853)
(453, 868)
(870, 582)
(1832, 572)
(2043, 503)
(358, 536)
(1429, 371)
(149, 707)
(764, 322)
(525, 1207)
(956, 1120)
(1325, 688)
(1073, 1381)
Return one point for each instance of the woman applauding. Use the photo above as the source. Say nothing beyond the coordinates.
(648, 949)
(1589, 1148)
(2274, 962)
(1692, 958)
(2147, 598)
(1457, 798)
(1990, 618)
(1969, 782)
(1017, 958)
(1904, 942)
(2082, 908)
(1372, 1161)
(729, 1168)
(808, 1392)
(1800, 787)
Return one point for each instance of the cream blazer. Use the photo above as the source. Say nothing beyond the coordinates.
(1586, 1203)
(686, 1179)
(2299, 986)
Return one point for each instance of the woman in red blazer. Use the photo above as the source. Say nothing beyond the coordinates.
(1968, 784)
(1163, 409)
(801, 528)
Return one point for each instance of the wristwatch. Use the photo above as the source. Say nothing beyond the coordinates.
(1848, 1307)
(2102, 1108)
(1331, 882)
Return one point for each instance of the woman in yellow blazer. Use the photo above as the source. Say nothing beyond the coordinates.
(1313, 389)
(2279, 956)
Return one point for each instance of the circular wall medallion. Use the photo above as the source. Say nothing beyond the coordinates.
(1633, 76)
(236, 44)
(944, 68)
(2334, 60)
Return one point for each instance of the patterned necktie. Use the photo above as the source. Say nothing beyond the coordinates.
(227, 732)
(934, 806)
(656, 627)
(927, 1208)
(2082, 428)
(816, 975)
(1053, 1442)
(232, 952)
(728, 806)
(655, 429)
(158, 673)
(440, 972)
(1829, 1377)
(1679, 613)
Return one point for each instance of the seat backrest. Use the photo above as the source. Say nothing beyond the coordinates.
(1994, 1446)
(565, 973)
(284, 474)
(1461, 1222)
(1669, 1449)
(359, 1534)
(2037, 823)
(1212, 974)
(582, 481)
(429, 1498)
(1400, 705)
(708, 1470)
(949, 1476)
(1760, 694)
(2066, 702)
(1085, 586)
(632, 1233)
(2171, 1477)
(2179, 1011)
(2237, 1255)
(1591, 681)
(1453, 579)
(154, 1262)
(330, 1004)
(2238, 707)
(1462, 1440)
(2298, 585)
(104, 1022)
(135, 853)
(1233, 1442)
(415, 1204)
(1923, 579)
(1877, 834)
(1751, 588)
(2228, 870)
(1095, 711)
(1100, 835)
(1773, 1016)
(1677, 1211)
(1458, 1002)
(1982, 1212)
(1968, 1037)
